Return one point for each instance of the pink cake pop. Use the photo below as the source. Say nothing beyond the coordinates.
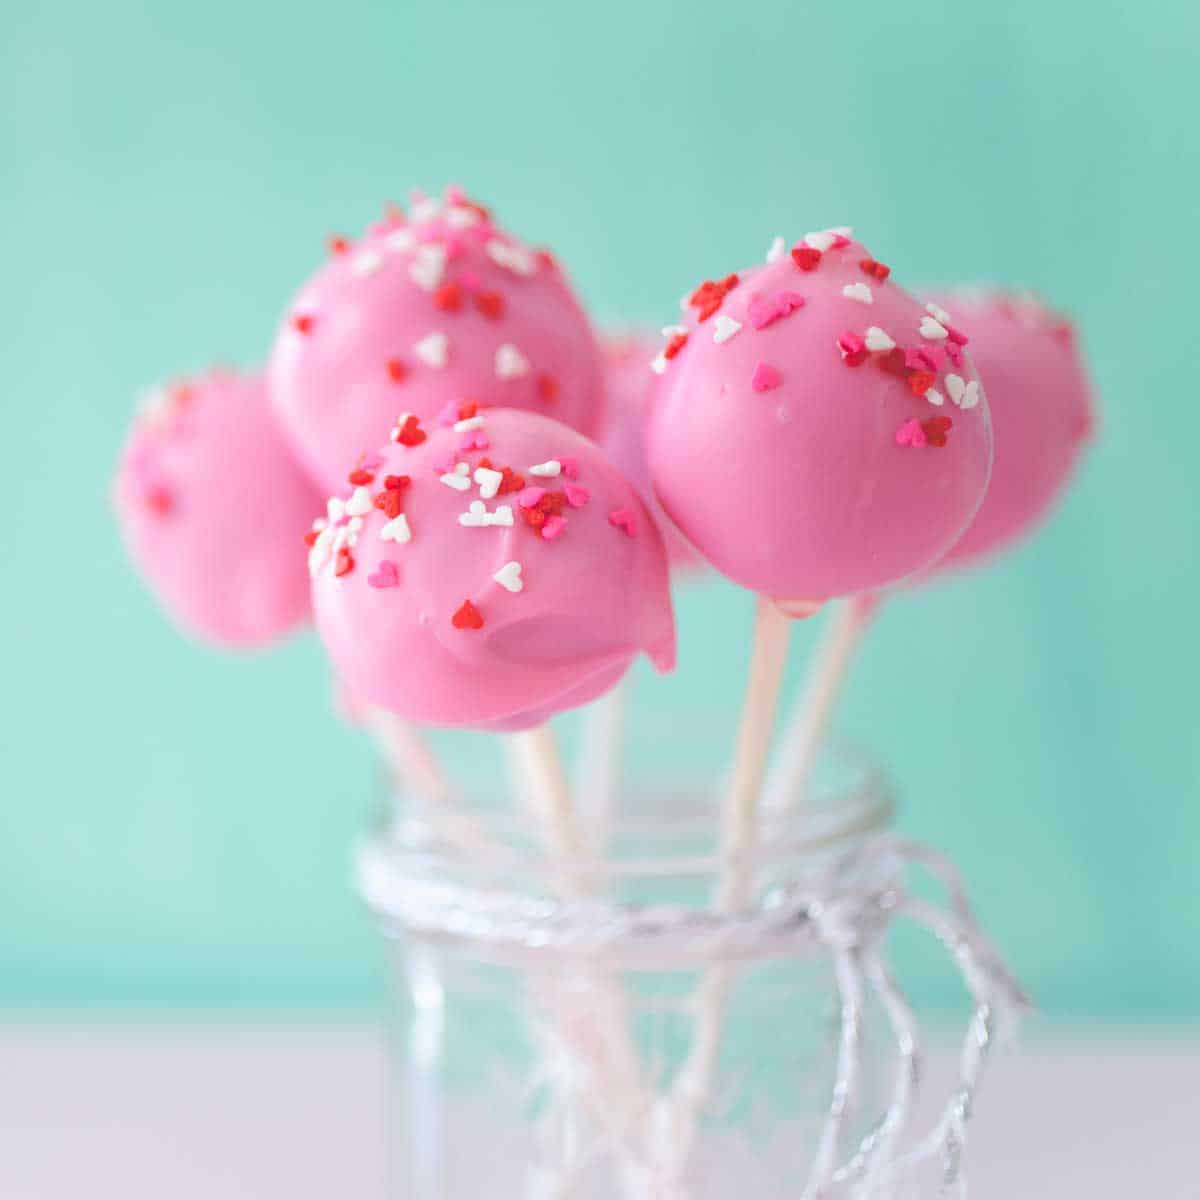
(630, 387)
(213, 507)
(444, 307)
(489, 573)
(1041, 406)
(817, 431)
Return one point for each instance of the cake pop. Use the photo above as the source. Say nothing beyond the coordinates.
(817, 431)
(212, 507)
(441, 307)
(1041, 406)
(488, 572)
(629, 390)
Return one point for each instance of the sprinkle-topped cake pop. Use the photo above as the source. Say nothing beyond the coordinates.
(212, 507)
(630, 388)
(1041, 406)
(441, 307)
(488, 573)
(817, 431)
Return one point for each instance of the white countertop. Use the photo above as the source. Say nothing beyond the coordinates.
(231, 1113)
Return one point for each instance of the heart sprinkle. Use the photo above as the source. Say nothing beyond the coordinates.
(433, 350)
(509, 577)
(624, 519)
(859, 292)
(877, 340)
(724, 328)
(910, 434)
(765, 377)
(932, 329)
(386, 575)
(467, 616)
(510, 362)
(396, 530)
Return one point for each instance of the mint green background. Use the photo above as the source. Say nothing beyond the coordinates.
(175, 824)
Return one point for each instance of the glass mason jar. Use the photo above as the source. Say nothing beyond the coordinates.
(596, 1030)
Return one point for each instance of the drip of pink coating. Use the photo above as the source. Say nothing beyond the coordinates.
(492, 624)
(802, 491)
(445, 307)
(1040, 399)
(630, 389)
(212, 509)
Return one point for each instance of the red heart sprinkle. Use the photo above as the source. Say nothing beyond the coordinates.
(490, 304)
(935, 430)
(919, 382)
(396, 370)
(360, 477)
(467, 616)
(547, 387)
(448, 297)
(396, 483)
(337, 243)
(389, 502)
(893, 362)
(806, 258)
(875, 269)
(310, 538)
(303, 322)
(674, 346)
(409, 433)
(344, 562)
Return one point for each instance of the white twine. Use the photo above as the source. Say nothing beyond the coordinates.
(848, 911)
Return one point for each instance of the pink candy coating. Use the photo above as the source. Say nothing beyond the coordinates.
(213, 509)
(590, 598)
(630, 387)
(363, 339)
(1041, 405)
(824, 480)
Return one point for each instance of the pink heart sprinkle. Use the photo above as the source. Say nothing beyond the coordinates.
(529, 497)
(386, 575)
(956, 336)
(577, 496)
(765, 378)
(954, 353)
(624, 519)
(910, 434)
(850, 343)
(761, 312)
(788, 302)
(553, 527)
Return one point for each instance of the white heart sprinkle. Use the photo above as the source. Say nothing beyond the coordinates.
(475, 516)
(433, 350)
(461, 218)
(939, 314)
(359, 503)
(423, 208)
(842, 231)
(510, 362)
(965, 395)
(511, 257)
(502, 515)
(776, 250)
(335, 509)
(396, 530)
(932, 330)
(859, 292)
(459, 479)
(320, 552)
(820, 241)
(547, 470)
(724, 328)
(366, 263)
(935, 397)
(489, 481)
(876, 339)
(670, 331)
(658, 364)
(401, 241)
(509, 577)
(428, 266)
(355, 525)
(469, 423)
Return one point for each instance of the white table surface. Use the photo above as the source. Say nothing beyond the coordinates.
(254, 1114)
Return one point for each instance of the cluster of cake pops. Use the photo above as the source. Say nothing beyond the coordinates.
(483, 506)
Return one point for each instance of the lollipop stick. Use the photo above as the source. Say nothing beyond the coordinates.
(806, 726)
(415, 772)
(600, 765)
(539, 769)
(739, 815)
